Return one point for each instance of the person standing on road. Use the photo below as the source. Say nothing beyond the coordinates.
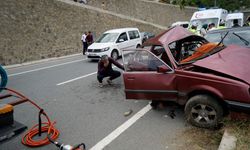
(105, 69)
(203, 30)
(89, 38)
(84, 43)
(211, 26)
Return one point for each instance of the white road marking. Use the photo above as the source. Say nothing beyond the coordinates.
(118, 131)
(38, 69)
(62, 83)
(40, 61)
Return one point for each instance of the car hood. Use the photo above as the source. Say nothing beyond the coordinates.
(232, 61)
(100, 45)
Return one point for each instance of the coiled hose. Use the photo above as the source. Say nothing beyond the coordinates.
(4, 78)
(46, 127)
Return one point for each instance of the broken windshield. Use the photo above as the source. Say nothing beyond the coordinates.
(193, 48)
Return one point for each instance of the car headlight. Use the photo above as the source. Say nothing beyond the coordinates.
(105, 49)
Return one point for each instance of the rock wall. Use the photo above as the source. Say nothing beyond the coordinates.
(151, 11)
(38, 29)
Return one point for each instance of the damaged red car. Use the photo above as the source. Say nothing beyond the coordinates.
(209, 79)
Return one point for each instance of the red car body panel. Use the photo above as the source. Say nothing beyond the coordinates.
(233, 61)
(225, 75)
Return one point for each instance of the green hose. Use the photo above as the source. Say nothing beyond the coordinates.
(4, 78)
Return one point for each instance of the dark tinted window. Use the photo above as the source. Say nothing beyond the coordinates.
(185, 25)
(133, 34)
(123, 36)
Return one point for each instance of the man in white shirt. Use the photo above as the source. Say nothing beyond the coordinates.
(84, 43)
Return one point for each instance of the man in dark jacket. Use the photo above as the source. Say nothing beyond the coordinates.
(105, 69)
(89, 38)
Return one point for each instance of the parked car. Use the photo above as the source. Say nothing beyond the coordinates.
(146, 35)
(184, 24)
(207, 78)
(239, 36)
(113, 41)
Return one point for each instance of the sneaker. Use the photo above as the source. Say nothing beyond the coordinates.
(100, 85)
(109, 81)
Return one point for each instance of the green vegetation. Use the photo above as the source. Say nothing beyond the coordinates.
(200, 139)
(230, 5)
(241, 130)
(204, 139)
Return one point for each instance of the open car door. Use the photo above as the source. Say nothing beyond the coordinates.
(147, 77)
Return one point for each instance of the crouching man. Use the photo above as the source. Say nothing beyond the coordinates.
(105, 70)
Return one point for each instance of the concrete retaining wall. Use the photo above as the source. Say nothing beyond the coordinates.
(152, 11)
(38, 29)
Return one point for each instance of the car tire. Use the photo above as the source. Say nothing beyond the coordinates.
(115, 54)
(203, 111)
(138, 46)
(154, 104)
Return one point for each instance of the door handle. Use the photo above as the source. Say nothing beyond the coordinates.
(131, 78)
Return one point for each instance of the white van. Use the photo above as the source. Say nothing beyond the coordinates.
(208, 16)
(112, 42)
(231, 17)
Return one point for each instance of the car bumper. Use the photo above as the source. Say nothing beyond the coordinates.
(95, 55)
(238, 106)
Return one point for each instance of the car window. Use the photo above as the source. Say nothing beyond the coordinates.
(184, 25)
(123, 36)
(141, 60)
(213, 37)
(181, 50)
(160, 52)
(234, 37)
(241, 38)
(133, 34)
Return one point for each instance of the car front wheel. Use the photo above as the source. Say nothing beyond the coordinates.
(203, 111)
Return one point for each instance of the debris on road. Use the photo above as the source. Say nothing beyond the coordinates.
(171, 114)
(127, 113)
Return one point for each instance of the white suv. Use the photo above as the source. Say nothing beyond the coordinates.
(112, 42)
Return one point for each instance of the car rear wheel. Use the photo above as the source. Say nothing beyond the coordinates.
(115, 54)
(203, 111)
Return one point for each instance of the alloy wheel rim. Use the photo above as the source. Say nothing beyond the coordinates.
(203, 114)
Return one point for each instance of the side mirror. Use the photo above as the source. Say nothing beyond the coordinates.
(121, 40)
(163, 69)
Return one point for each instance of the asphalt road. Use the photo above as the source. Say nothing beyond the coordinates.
(67, 90)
